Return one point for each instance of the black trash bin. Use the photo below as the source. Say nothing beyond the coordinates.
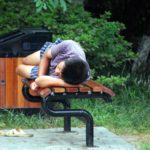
(13, 47)
(23, 42)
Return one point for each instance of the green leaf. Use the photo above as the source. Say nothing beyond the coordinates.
(38, 3)
(55, 3)
(63, 5)
(70, 1)
(44, 6)
(38, 9)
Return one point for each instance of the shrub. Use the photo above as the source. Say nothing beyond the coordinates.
(107, 51)
(51, 4)
(117, 83)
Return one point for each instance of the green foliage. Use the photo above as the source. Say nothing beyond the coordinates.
(107, 51)
(145, 146)
(51, 4)
(11, 119)
(128, 113)
(14, 14)
(117, 83)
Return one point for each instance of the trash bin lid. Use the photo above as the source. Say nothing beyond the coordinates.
(23, 42)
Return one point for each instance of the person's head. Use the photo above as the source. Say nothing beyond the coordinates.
(73, 70)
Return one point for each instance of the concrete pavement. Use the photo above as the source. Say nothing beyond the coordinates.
(56, 139)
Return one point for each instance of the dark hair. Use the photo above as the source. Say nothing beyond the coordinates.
(75, 71)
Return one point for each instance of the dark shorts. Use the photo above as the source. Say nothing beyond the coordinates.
(34, 71)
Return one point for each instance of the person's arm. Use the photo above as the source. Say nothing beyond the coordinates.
(43, 68)
(47, 81)
(44, 63)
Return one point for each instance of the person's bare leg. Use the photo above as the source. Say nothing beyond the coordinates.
(24, 70)
(32, 59)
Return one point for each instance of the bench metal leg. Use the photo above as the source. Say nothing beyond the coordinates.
(67, 124)
(73, 113)
(67, 119)
(90, 133)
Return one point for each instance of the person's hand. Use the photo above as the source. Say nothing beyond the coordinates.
(34, 86)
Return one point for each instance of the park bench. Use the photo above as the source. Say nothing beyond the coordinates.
(90, 89)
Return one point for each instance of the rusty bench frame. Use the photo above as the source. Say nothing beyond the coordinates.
(90, 89)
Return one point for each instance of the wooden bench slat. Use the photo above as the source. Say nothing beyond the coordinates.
(94, 86)
(58, 89)
(72, 89)
(97, 87)
(83, 88)
(109, 91)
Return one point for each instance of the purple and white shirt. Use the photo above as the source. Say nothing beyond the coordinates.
(60, 50)
(65, 50)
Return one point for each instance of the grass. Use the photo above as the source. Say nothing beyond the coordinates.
(145, 146)
(9, 119)
(128, 114)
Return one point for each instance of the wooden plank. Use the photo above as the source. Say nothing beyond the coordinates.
(15, 83)
(20, 100)
(83, 88)
(10, 83)
(109, 91)
(97, 87)
(11, 93)
(72, 89)
(58, 89)
(2, 83)
(9, 68)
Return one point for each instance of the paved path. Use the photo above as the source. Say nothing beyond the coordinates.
(56, 139)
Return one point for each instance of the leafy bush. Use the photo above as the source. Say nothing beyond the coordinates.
(116, 83)
(51, 4)
(107, 51)
(113, 81)
(14, 14)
